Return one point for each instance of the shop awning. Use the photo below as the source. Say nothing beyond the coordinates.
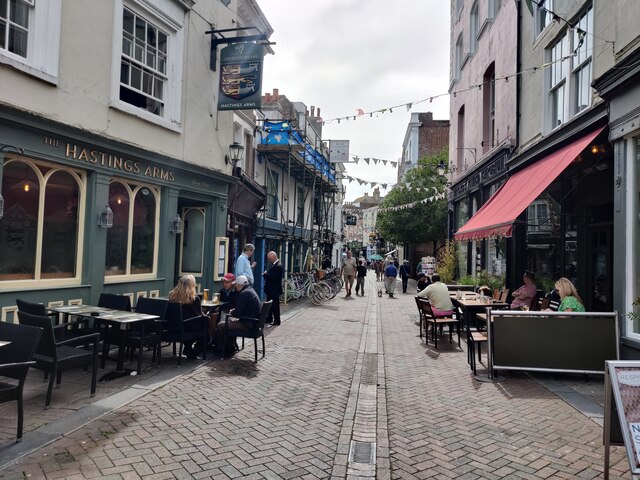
(496, 217)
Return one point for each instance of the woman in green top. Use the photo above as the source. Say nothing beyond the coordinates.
(570, 300)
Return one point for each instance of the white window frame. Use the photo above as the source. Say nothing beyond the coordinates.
(170, 20)
(459, 7)
(493, 7)
(43, 43)
(538, 15)
(582, 61)
(632, 220)
(558, 81)
(202, 211)
(80, 177)
(458, 60)
(474, 27)
(133, 188)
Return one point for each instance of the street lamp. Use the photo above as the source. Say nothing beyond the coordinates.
(236, 152)
(441, 168)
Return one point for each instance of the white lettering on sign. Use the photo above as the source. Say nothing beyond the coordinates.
(635, 438)
(629, 378)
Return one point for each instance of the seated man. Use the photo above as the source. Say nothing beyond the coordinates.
(526, 293)
(247, 305)
(423, 281)
(438, 295)
(229, 296)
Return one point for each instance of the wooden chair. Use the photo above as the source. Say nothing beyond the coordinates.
(475, 338)
(421, 318)
(55, 356)
(436, 322)
(504, 295)
(255, 331)
(15, 360)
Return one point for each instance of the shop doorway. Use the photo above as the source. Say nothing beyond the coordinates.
(190, 247)
(600, 274)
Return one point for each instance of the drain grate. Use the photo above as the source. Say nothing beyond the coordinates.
(369, 375)
(362, 452)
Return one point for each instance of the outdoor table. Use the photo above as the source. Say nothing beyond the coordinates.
(120, 319)
(211, 306)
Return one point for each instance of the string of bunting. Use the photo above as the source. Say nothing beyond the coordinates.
(369, 160)
(407, 206)
(360, 113)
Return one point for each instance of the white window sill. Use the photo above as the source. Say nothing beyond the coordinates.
(22, 64)
(466, 59)
(144, 115)
(485, 26)
(130, 278)
(38, 284)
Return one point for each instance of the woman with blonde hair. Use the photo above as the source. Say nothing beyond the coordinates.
(185, 294)
(570, 300)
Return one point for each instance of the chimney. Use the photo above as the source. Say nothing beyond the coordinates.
(313, 111)
(318, 111)
(267, 97)
(275, 94)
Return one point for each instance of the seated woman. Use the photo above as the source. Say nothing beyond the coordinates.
(185, 294)
(524, 295)
(571, 301)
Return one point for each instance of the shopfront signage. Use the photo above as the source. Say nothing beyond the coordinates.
(94, 156)
(241, 76)
(493, 169)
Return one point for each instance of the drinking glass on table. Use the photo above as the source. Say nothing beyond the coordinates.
(525, 307)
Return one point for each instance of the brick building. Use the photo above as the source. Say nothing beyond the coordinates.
(424, 137)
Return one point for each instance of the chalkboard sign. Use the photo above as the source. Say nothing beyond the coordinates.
(553, 341)
(622, 411)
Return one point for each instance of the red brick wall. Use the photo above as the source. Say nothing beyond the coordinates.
(433, 136)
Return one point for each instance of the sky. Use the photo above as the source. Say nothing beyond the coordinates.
(361, 54)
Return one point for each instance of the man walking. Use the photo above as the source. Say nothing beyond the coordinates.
(362, 275)
(348, 271)
(244, 265)
(391, 272)
(405, 272)
(273, 287)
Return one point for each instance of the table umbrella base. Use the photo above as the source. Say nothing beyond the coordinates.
(487, 379)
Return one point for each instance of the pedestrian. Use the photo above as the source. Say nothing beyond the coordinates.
(405, 273)
(244, 266)
(391, 273)
(273, 287)
(184, 293)
(378, 269)
(326, 263)
(361, 275)
(348, 272)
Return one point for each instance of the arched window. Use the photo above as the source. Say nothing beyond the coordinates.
(60, 226)
(132, 240)
(192, 253)
(40, 231)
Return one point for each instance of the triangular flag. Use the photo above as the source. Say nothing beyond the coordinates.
(384, 185)
(408, 105)
(357, 160)
(375, 161)
(367, 160)
(384, 162)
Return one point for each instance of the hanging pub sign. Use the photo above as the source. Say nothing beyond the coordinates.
(240, 76)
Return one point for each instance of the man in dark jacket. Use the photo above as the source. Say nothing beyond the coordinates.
(273, 287)
(405, 273)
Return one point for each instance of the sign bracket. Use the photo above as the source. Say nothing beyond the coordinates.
(218, 38)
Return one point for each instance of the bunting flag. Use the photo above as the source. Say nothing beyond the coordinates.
(375, 161)
(407, 206)
(384, 162)
(384, 185)
(367, 160)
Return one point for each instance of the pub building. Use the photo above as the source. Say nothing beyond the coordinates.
(83, 214)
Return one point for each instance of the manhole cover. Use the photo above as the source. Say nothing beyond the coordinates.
(362, 452)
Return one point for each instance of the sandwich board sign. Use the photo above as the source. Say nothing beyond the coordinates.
(622, 412)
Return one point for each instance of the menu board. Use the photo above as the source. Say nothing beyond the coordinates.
(623, 384)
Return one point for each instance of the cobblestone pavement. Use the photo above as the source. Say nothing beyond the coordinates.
(346, 390)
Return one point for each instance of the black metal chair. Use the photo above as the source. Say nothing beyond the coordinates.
(255, 331)
(15, 360)
(54, 357)
(148, 333)
(197, 328)
(63, 330)
(116, 302)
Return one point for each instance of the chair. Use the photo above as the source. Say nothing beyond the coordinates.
(116, 302)
(174, 331)
(421, 318)
(436, 321)
(54, 356)
(256, 331)
(63, 330)
(475, 337)
(504, 295)
(15, 360)
(148, 333)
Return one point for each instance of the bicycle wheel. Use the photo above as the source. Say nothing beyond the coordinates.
(329, 291)
(316, 294)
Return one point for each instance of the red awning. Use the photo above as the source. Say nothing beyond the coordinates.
(496, 217)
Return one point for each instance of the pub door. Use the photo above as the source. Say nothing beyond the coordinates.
(599, 298)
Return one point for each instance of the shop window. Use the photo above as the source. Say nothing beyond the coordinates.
(148, 75)
(132, 240)
(633, 250)
(41, 227)
(192, 253)
(30, 36)
(543, 238)
(462, 216)
(272, 194)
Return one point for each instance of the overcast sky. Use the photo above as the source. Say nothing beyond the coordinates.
(341, 55)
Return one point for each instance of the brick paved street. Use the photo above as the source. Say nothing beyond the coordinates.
(353, 369)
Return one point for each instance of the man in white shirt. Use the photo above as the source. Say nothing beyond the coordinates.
(244, 265)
